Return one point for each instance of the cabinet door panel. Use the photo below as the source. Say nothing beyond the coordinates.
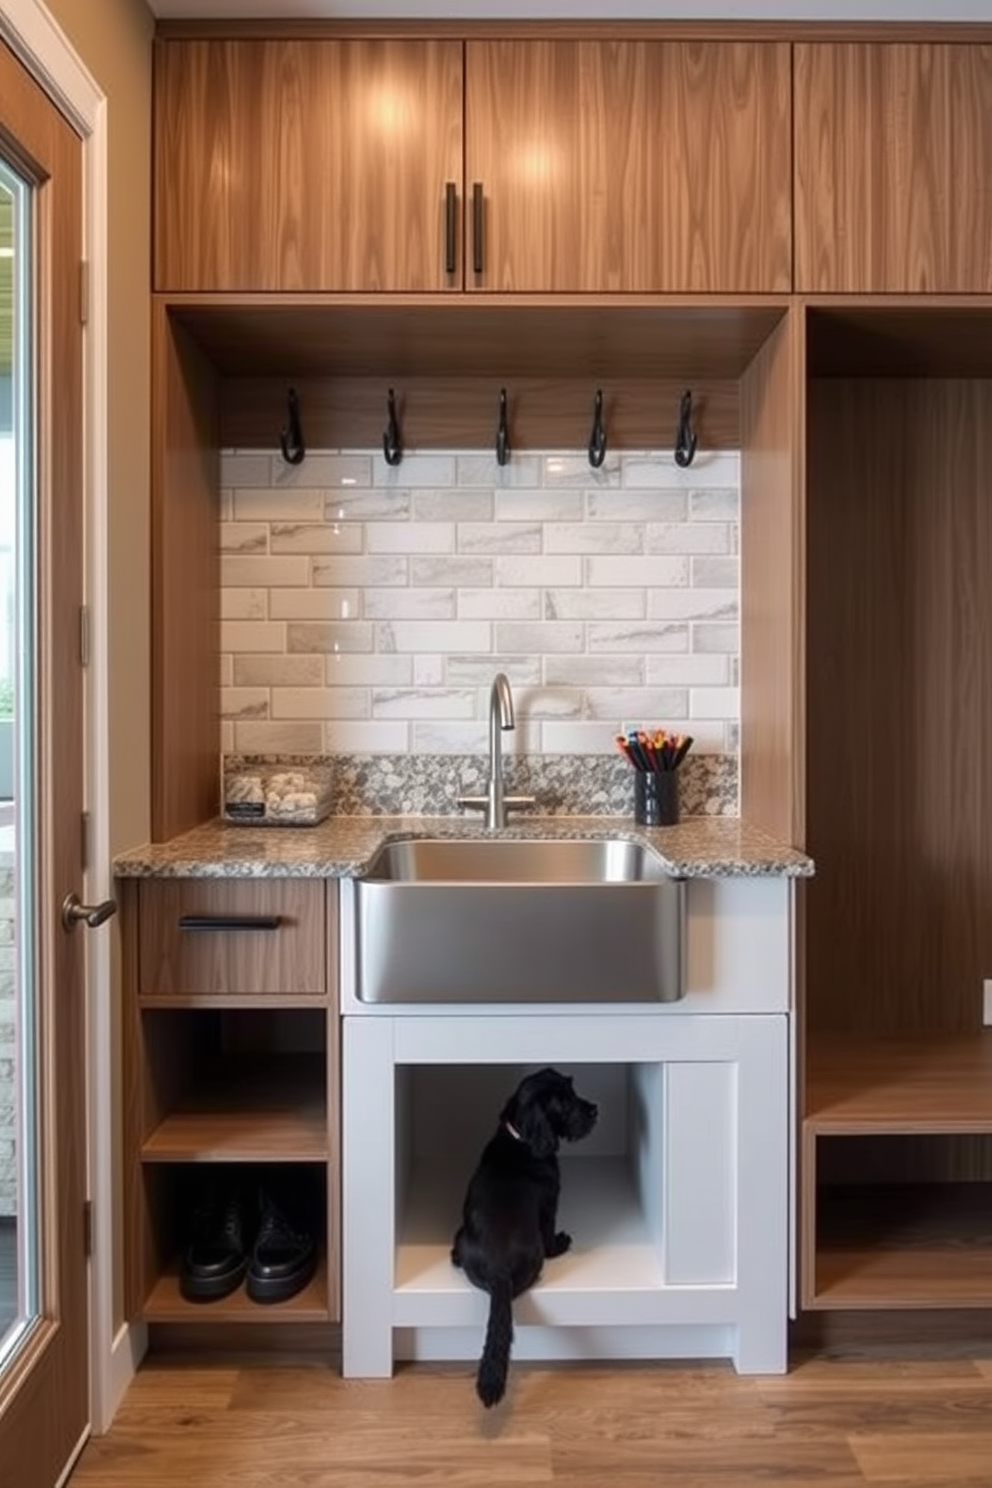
(893, 161)
(641, 166)
(305, 165)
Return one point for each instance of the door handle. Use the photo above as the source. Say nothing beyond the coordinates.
(92, 915)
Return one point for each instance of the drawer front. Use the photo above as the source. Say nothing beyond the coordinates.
(232, 938)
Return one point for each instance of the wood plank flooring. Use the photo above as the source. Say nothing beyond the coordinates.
(833, 1422)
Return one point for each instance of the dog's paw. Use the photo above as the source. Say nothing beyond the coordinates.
(559, 1244)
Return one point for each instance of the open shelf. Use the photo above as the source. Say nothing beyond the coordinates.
(165, 1304)
(930, 1083)
(907, 1245)
(248, 1109)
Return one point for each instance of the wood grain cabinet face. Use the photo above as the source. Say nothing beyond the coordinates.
(892, 168)
(641, 166)
(305, 165)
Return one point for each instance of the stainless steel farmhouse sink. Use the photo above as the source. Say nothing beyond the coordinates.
(508, 920)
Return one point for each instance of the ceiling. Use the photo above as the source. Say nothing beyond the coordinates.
(708, 10)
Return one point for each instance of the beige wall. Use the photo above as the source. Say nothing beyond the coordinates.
(113, 39)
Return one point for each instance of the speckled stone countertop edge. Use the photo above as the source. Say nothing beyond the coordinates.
(344, 846)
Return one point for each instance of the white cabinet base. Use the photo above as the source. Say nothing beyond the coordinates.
(677, 1203)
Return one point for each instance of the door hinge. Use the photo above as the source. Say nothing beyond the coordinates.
(84, 292)
(84, 841)
(88, 1227)
(84, 635)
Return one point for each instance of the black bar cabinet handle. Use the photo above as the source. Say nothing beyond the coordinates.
(229, 922)
(477, 227)
(450, 226)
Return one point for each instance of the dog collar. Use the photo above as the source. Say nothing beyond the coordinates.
(508, 1126)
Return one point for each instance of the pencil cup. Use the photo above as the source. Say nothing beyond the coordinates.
(656, 798)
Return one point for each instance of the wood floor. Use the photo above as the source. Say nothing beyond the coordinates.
(897, 1420)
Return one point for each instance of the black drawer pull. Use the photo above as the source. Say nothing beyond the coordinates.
(450, 226)
(477, 227)
(229, 922)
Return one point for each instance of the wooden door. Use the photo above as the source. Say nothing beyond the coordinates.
(893, 165)
(640, 165)
(307, 165)
(44, 1338)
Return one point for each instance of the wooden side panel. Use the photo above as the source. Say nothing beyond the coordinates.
(185, 481)
(900, 704)
(631, 165)
(772, 583)
(893, 153)
(305, 164)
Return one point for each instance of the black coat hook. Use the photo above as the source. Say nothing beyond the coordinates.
(392, 447)
(597, 439)
(291, 438)
(502, 435)
(685, 439)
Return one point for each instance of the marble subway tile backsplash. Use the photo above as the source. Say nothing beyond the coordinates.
(366, 608)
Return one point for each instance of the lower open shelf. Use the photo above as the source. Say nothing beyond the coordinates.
(166, 1304)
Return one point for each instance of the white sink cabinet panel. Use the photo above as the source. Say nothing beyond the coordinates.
(678, 1202)
(738, 955)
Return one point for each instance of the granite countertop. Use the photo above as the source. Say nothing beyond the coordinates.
(343, 846)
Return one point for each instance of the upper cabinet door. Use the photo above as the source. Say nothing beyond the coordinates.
(627, 166)
(307, 165)
(893, 168)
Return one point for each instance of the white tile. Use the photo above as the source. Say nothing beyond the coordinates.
(412, 537)
(431, 703)
(594, 537)
(596, 737)
(485, 470)
(341, 737)
(522, 671)
(244, 702)
(575, 470)
(413, 470)
(326, 471)
(276, 671)
(688, 671)
(264, 572)
(692, 604)
(244, 604)
(594, 671)
(241, 468)
(428, 671)
(708, 468)
(431, 737)
(715, 573)
(594, 604)
(644, 705)
(245, 538)
(520, 572)
(714, 506)
(277, 738)
(369, 506)
(433, 635)
(498, 537)
(499, 604)
(314, 604)
(330, 636)
(453, 506)
(305, 504)
(226, 508)
(307, 703)
(252, 635)
(539, 506)
(409, 604)
(708, 737)
(542, 638)
(314, 537)
(714, 702)
(361, 573)
(463, 573)
(632, 505)
(690, 537)
(535, 704)
(638, 636)
(226, 671)
(715, 638)
(360, 670)
(226, 737)
(640, 573)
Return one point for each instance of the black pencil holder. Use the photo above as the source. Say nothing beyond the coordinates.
(656, 798)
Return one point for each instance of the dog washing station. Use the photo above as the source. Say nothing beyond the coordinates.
(678, 1202)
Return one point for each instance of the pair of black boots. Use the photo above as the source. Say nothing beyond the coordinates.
(246, 1228)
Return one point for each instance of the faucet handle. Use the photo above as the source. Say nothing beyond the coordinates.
(518, 803)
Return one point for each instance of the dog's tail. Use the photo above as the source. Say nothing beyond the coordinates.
(495, 1362)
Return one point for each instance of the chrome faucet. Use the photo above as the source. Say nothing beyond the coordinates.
(494, 803)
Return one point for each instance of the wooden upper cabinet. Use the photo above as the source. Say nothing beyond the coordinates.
(305, 165)
(643, 166)
(893, 168)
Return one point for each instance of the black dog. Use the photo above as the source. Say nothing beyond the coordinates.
(508, 1222)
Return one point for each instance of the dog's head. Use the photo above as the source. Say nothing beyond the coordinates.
(545, 1110)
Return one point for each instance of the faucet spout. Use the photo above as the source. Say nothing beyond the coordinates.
(495, 803)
